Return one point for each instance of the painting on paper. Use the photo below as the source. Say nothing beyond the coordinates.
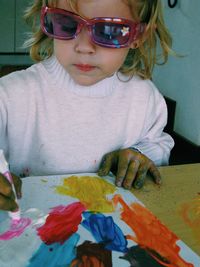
(84, 220)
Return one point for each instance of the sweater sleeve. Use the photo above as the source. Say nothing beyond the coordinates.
(3, 120)
(155, 143)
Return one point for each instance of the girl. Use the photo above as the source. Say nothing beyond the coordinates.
(88, 105)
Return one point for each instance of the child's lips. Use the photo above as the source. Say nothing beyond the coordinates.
(84, 67)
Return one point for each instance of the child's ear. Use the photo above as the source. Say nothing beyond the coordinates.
(134, 44)
(137, 43)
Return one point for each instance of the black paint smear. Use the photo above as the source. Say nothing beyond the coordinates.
(139, 257)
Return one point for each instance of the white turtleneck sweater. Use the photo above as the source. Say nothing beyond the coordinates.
(50, 125)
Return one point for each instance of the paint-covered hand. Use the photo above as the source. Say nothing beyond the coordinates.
(130, 168)
(7, 196)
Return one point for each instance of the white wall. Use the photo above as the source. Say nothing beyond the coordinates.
(179, 79)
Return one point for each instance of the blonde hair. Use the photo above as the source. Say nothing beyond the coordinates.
(140, 60)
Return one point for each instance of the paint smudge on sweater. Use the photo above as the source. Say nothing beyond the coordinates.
(151, 234)
(17, 228)
(90, 190)
(61, 223)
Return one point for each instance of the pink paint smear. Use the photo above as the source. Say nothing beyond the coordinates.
(17, 227)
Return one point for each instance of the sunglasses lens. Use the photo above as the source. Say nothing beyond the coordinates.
(106, 32)
(111, 34)
(60, 25)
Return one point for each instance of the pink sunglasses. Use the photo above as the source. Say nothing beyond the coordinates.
(104, 31)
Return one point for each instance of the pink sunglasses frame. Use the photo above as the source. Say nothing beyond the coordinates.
(136, 28)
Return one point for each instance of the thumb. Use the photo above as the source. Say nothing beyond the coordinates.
(18, 185)
(105, 165)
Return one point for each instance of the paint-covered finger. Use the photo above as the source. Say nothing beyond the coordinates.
(18, 185)
(140, 178)
(153, 170)
(122, 167)
(6, 188)
(7, 204)
(131, 174)
(105, 165)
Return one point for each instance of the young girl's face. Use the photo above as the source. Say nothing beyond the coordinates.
(86, 62)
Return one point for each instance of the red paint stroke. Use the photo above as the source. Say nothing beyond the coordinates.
(151, 234)
(17, 228)
(61, 223)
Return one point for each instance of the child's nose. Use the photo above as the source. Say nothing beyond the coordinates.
(83, 43)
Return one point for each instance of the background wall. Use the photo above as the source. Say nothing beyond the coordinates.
(180, 78)
(13, 33)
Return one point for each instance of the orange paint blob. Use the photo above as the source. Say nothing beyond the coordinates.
(191, 215)
(92, 191)
(151, 234)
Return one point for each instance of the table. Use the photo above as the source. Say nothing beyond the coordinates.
(180, 187)
(38, 202)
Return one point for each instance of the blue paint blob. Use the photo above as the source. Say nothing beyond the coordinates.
(56, 254)
(105, 231)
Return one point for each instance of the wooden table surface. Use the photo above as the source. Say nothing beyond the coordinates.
(176, 201)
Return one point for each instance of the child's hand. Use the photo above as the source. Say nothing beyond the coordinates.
(7, 197)
(130, 168)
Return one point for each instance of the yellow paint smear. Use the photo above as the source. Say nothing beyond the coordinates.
(92, 191)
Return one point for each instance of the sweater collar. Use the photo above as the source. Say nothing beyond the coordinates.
(60, 77)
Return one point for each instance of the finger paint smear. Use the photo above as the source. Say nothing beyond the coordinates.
(61, 223)
(191, 214)
(151, 234)
(92, 254)
(90, 190)
(55, 254)
(17, 227)
(105, 231)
